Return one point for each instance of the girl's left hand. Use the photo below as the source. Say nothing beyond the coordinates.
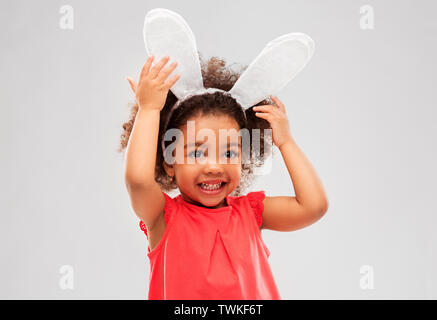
(278, 120)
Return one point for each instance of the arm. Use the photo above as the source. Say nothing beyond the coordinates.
(145, 194)
(140, 160)
(310, 202)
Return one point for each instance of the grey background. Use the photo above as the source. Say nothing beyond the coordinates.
(363, 112)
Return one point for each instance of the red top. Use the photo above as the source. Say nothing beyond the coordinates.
(212, 254)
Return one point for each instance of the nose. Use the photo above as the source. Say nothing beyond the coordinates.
(213, 167)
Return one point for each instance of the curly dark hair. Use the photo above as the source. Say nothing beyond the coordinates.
(215, 74)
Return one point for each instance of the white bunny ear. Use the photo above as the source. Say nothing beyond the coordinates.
(167, 33)
(278, 63)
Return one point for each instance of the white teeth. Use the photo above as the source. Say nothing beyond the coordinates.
(210, 186)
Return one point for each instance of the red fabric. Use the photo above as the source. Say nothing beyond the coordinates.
(212, 254)
(167, 212)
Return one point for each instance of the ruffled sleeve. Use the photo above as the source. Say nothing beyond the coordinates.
(256, 202)
(169, 206)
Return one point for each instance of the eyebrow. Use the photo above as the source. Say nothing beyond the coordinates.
(198, 143)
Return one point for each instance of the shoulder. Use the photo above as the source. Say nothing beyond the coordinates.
(255, 199)
(170, 207)
(170, 202)
(254, 202)
(256, 196)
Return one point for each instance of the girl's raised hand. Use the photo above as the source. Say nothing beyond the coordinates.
(276, 116)
(152, 88)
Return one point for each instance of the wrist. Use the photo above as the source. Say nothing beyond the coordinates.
(144, 114)
(148, 110)
(285, 143)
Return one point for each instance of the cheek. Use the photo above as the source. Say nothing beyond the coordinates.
(185, 172)
(235, 172)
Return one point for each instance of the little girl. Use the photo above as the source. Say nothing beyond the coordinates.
(206, 243)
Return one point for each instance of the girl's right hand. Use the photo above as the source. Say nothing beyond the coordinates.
(152, 89)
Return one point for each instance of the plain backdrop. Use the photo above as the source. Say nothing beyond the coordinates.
(363, 112)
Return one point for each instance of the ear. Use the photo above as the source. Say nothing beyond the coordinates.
(276, 65)
(169, 169)
(167, 33)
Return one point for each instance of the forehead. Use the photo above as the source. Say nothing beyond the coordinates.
(213, 122)
(203, 125)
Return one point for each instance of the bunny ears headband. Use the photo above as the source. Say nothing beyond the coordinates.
(167, 33)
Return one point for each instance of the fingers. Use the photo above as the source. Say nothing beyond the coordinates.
(172, 81)
(133, 84)
(146, 67)
(166, 72)
(156, 73)
(157, 67)
(264, 115)
(278, 103)
(267, 108)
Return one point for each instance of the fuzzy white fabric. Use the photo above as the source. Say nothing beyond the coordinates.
(167, 33)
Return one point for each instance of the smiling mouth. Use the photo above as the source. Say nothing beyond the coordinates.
(211, 188)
